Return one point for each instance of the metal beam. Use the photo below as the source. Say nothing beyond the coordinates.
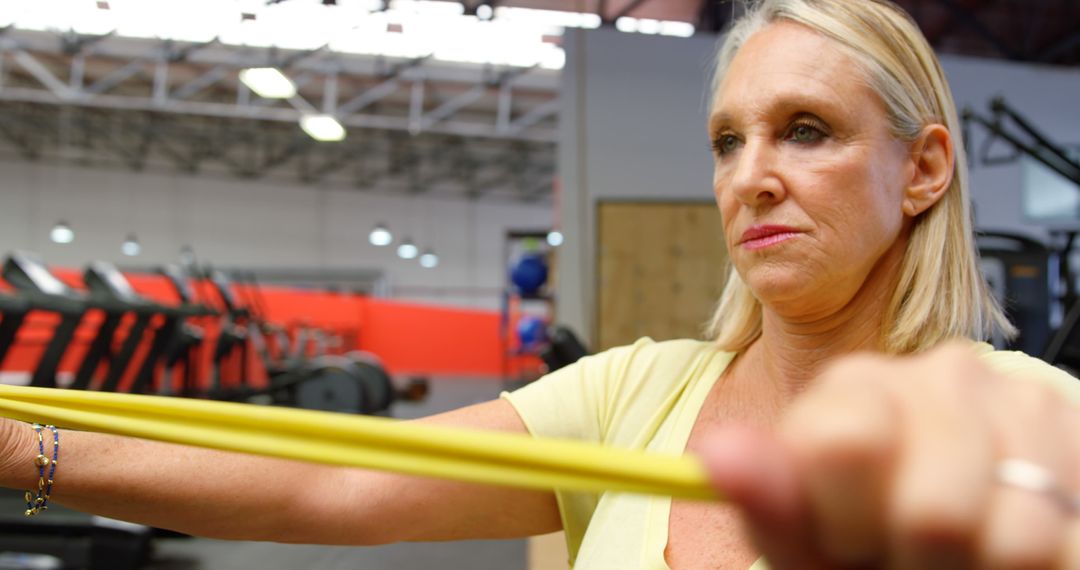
(1060, 47)
(116, 77)
(453, 105)
(282, 114)
(967, 18)
(201, 82)
(43, 75)
(535, 115)
(370, 96)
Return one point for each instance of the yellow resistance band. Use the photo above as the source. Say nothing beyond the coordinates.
(362, 441)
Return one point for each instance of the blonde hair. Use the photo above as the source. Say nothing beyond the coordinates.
(941, 292)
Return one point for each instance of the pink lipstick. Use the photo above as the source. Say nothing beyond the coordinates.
(760, 237)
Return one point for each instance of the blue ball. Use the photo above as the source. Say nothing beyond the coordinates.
(531, 331)
(529, 273)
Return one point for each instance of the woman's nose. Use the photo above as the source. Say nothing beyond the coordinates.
(754, 179)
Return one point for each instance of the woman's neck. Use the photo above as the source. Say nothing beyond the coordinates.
(793, 350)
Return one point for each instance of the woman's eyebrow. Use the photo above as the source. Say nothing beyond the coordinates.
(786, 105)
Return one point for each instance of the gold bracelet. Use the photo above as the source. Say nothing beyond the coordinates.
(40, 502)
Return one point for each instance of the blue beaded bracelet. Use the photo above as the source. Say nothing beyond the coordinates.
(40, 502)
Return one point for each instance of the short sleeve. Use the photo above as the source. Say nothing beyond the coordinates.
(1027, 368)
(575, 402)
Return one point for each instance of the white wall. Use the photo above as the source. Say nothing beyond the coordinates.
(633, 127)
(260, 225)
(1046, 96)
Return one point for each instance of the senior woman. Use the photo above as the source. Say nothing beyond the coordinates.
(843, 195)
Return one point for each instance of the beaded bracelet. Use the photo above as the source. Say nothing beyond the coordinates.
(40, 502)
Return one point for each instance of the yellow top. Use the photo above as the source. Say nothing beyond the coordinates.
(647, 397)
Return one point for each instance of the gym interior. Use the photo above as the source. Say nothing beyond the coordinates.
(402, 207)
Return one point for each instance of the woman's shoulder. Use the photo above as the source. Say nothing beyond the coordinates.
(675, 349)
(1022, 366)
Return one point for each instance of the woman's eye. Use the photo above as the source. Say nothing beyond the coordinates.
(725, 144)
(805, 134)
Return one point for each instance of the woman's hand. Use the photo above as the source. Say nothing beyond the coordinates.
(895, 463)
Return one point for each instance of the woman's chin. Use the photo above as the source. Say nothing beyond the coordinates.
(775, 288)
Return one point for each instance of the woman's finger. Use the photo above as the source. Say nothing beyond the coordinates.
(942, 484)
(753, 471)
(1025, 525)
(844, 434)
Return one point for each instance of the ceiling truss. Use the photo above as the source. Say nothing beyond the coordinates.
(414, 125)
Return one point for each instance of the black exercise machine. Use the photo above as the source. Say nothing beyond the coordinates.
(13, 311)
(42, 291)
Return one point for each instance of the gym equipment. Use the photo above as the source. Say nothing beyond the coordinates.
(14, 311)
(531, 331)
(375, 443)
(107, 291)
(324, 382)
(176, 340)
(44, 292)
(529, 273)
(111, 290)
(1022, 273)
(76, 540)
(564, 348)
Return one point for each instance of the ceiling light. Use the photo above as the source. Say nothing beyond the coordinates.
(62, 233)
(484, 12)
(648, 26)
(407, 249)
(323, 128)
(428, 259)
(131, 246)
(677, 29)
(268, 82)
(626, 24)
(555, 238)
(380, 236)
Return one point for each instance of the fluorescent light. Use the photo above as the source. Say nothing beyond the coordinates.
(131, 246)
(62, 233)
(648, 26)
(428, 259)
(268, 82)
(677, 29)
(323, 128)
(380, 236)
(555, 238)
(625, 24)
(407, 249)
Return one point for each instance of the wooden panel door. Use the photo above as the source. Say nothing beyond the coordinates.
(660, 269)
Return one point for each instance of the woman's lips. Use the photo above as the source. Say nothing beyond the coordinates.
(760, 237)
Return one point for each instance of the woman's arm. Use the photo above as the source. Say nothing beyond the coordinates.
(245, 497)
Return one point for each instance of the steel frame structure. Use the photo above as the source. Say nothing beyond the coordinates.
(150, 103)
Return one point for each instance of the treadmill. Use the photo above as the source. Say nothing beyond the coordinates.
(42, 291)
(13, 311)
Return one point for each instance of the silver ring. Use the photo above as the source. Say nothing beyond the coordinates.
(1027, 476)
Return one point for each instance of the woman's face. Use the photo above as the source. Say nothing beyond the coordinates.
(809, 180)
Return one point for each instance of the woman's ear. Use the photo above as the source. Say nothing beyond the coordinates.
(933, 158)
